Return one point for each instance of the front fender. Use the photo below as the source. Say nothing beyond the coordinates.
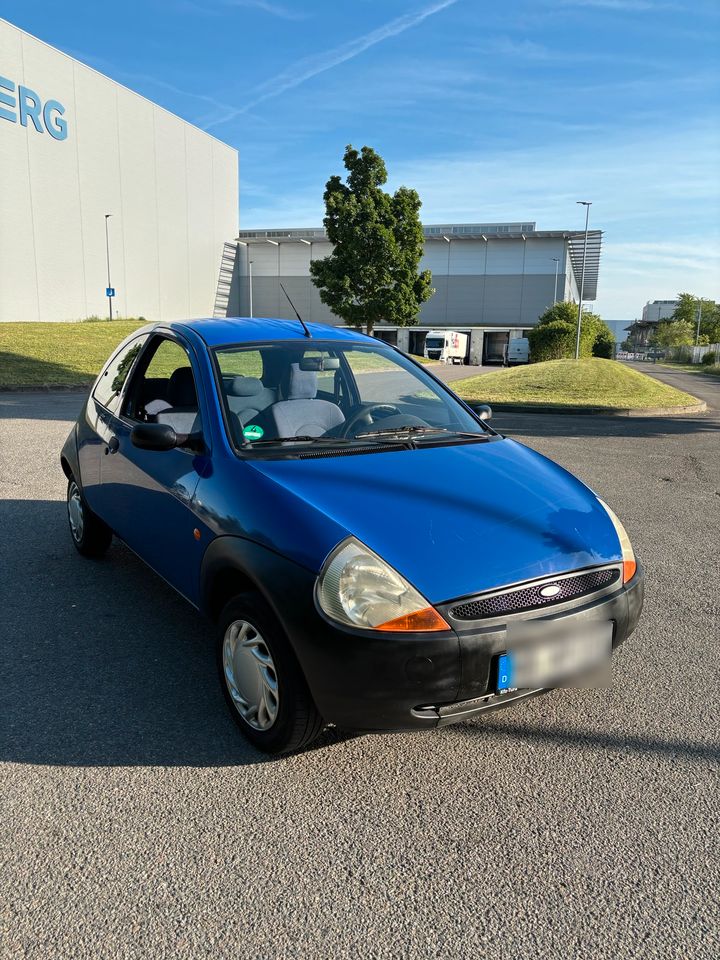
(253, 566)
(69, 457)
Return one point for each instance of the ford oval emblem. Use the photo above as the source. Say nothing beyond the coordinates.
(551, 590)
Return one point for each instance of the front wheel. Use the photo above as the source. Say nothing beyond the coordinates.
(261, 679)
(90, 535)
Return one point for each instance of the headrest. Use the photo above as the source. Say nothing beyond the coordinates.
(246, 387)
(303, 383)
(181, 388)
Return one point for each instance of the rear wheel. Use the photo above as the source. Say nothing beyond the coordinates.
(90, 535)
(261, 679)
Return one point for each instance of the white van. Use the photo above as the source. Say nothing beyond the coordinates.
(518, 351)
(448, 346)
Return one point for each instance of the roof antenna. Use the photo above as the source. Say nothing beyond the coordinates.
(304, 325)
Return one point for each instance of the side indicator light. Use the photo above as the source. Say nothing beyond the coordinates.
(629, 568)
(421, 621)
(196, 533)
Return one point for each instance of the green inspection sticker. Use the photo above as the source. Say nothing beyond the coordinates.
(253, 432)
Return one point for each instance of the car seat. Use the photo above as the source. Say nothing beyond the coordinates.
(301, 413)
(183, 415)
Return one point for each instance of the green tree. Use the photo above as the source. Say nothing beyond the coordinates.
(675, 333)
(686, 311)
(555, 334)
(372, 274)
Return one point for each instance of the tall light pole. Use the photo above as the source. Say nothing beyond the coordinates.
(587, 204)
(109, 290)
(699, 318)
(250, 263)
(448, 240)
(557, 267)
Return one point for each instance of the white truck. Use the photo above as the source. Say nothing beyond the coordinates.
(518, 351)
(448, 346)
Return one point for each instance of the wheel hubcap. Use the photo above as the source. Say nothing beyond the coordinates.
(250, 675)
(75, 513)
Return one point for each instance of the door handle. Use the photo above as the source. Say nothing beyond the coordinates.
(113, 445)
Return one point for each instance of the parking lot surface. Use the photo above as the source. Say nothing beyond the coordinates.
(136, 822)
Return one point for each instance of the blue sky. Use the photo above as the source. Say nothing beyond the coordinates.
(507, 111)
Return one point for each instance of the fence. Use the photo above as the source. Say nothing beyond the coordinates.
(694, 354)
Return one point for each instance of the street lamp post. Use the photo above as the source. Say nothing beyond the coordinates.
(587, 204)
(557, 267)
(250, 263)
(699, 318)
(107, 254)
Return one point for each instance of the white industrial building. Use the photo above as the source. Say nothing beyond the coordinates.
(491, 280)
(76, 146)
(659, 310)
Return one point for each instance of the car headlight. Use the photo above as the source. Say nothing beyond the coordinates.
(356, 587)
(628, 555)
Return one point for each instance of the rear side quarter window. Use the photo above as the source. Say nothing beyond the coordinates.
(113, 378)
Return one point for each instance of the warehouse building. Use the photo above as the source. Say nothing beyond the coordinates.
(491, 280)
(79, 152)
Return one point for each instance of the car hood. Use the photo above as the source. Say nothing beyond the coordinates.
(453, 520)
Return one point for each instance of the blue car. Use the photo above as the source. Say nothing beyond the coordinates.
(374, 555)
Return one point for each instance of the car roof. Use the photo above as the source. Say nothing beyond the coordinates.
(241, 330)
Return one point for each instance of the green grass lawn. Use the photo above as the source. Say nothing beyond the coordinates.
(711, 371)
(577, 383)
(58, 354)
(71, 354)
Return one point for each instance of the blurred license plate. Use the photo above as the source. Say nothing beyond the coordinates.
(545, 654)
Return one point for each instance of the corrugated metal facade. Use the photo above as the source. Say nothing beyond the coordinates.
(501, 281)
(172, 191)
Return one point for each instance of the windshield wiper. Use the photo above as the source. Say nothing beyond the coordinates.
(417, 428)
(301, 439)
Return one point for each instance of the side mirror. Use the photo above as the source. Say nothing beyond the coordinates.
(483, 411)
(153, 436)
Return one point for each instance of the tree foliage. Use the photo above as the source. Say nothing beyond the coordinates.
(372, 274)
(554, 337)
(674, 333)
(686, 312)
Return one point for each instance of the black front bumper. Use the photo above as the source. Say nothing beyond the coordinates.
(365, 681)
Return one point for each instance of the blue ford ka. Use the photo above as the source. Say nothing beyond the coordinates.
(375, 555)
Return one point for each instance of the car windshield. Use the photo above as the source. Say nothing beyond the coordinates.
(330, 393)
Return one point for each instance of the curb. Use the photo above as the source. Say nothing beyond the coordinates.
(688, 409)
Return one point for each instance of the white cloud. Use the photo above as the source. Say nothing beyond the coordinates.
(308, 67)
(215, 8)
(623, 6)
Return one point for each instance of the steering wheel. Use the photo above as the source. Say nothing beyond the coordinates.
(364, 415)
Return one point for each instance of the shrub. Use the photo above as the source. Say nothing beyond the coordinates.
(604, 345)
(554, 340)
(710, 358)
(682, 355)
(555, 335)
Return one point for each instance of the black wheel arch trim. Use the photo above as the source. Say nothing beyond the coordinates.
(254, 565)
(69, 460)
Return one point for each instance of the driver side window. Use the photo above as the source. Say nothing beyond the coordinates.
(164, 390)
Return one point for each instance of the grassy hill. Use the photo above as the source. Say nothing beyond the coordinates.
(604, 384)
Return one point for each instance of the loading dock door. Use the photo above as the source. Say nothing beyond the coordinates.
(495, 347)
(417, 342)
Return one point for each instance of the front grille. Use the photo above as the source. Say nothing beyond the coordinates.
(530, 598)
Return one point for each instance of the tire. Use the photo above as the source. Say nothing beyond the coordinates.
(261, 679)
(89, 534)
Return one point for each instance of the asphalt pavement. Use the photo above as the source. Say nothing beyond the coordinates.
(135, 822)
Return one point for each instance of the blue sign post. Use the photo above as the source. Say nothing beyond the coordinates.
(109, 291)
